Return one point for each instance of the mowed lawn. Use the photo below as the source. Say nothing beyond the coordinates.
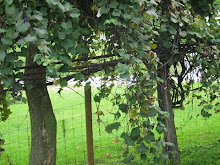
(199, 138)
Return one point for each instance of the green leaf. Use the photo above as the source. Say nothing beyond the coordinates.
(174, 19)
(199, 35)
(61, 35)
(2, 30)
(164, 156)
(23, 27)
(153, 110)
(113, 4)
(53, 2)
(10, 58)
(172, 30)
(152, 13)
(6, 41)
(136, 20)
(12, 34)
(153, 2)
(44, 49)
(40, 32)
(128, 159)
(123, 70)
(142, 148)
(163, 28)
(67, 25)
(97, 98)
(51, 69)
(7, 81)
(78, 76)
(205, 113)
(5, 70)
(134, 163)
(24, 100)
(111, 127)
(123, 108)
(143, 157)
(63, 83)
(11, 10)
(87, 86)
(152, 45)
(126, 16)
(116, 12)
(167, 144)
(37, 57)
(37, 16)
(208, 106)
(185, 19)
(113, 21)
(133, 100)
(102, 3)
(2, 55)
(124, 135)
(18, 63)
(61, 7)
(29, 86)
(193, 40)
(67, 60)
(136, 60)
(135, 133)
(183, 33)
(167, 44)
(149, 137)
(67, 43)
(123, 54)
(30, 38)
(160, 129)
(75, 13)
(153, 150)
(104, 10)
(9, 2)
(21, 41)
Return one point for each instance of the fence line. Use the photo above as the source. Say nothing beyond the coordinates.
(108, 148)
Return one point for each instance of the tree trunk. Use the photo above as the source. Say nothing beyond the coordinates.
(165, 103)
(43, 121)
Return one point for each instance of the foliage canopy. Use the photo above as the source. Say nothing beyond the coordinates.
(77, 39)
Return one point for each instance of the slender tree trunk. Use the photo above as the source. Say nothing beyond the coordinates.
(43, 121)
(165, 103)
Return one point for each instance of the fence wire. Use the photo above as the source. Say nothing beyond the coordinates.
(108, 148)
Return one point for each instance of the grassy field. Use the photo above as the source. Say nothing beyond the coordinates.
(199, 138)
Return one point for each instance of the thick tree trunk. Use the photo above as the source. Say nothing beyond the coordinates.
(43, 121)
(165, 104)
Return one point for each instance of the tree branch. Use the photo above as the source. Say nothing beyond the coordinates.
(74, 60)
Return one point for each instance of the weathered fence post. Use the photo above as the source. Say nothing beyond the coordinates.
(89, 132)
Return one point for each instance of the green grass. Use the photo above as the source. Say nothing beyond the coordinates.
(199, 140)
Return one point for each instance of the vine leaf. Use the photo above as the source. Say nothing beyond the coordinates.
(2, 55)
(111, 127)
(142, 148)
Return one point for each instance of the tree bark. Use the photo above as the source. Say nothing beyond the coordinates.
(43, 121)
(165, 103)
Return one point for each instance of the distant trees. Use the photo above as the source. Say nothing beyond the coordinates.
(145, 39)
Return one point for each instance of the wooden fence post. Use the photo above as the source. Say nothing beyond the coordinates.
(89, 131)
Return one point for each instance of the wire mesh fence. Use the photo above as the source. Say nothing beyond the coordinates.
(108, 148)
(71, 134)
